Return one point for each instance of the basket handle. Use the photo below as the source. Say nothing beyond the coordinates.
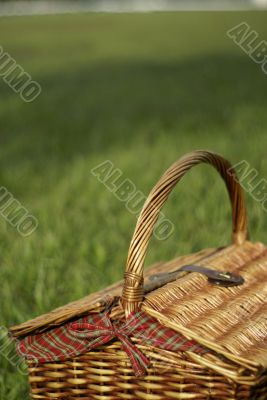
(132, 295)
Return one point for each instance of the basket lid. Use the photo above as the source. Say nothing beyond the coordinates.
(232, 321)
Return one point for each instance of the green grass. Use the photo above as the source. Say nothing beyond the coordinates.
(139, 90)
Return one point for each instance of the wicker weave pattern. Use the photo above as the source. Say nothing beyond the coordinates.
(232, 322)
(105, 374)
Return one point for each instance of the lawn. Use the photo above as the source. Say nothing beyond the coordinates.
(138, 90)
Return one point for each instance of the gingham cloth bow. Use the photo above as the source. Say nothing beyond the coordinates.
(79, 337)
(103, 331)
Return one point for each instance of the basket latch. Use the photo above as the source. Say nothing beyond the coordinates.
(220, 278)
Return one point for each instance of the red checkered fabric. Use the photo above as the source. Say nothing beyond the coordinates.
(79, 337)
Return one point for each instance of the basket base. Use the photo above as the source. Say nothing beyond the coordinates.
(106, 374)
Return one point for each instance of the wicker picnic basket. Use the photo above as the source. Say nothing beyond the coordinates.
(191, 328)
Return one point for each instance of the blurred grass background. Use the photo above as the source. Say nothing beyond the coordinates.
(139, 90)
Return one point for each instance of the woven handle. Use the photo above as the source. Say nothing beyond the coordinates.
(133, 281)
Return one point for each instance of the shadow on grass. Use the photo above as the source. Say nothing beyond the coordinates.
(113, 104)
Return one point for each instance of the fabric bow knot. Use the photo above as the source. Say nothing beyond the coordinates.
(104, 331)
(78, 337)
